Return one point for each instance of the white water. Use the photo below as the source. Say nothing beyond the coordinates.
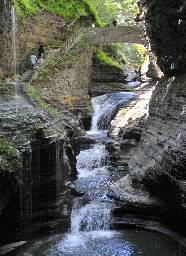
(90, 217)
(98, 110)
(93, 175)
(90, 159)
(104, 108)
(14, 40)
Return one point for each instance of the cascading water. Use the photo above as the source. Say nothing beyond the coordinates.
(91, 215)
(105, 107)
(14, 41)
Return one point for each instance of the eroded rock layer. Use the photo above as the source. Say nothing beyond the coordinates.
(165, 24)
(158, 165)
(160, 160)
(37, 165)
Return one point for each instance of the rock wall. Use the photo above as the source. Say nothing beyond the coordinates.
(165, 23)
(103, 73)
(46, 28)
(30, 195)
(36, 188)
(156, 183)
(160, 161)
(65, 78)
(5, 36)
(73, 79)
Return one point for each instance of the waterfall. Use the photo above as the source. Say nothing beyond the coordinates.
(99, 108)
(14, 32)
(105, 107)
(92, 216)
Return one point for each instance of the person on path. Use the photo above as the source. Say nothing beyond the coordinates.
(33, 60)
(41, 50)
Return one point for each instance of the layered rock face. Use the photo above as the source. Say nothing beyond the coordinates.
(102, 73)
(37, 163)
(160, 161)
(73, 78)
(165, 23)
(65, 78)
(156, 182)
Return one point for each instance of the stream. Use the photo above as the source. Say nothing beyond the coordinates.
(91, 217)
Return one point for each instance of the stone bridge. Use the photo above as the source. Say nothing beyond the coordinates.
(118, 34)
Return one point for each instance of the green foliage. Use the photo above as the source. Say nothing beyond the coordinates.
(124, 11)
(119, 54)
(105, 58)
(24, 7)
(33, 94)
(101, 13)
(70, 9)
(10, 158)
(92, 10)
(134, 54)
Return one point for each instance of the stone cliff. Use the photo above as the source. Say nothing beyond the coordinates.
(37, 162)
(160, 161)
(156, 182)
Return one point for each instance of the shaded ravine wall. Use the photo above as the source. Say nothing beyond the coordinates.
(160, 161)
(165, 23)
(37, 193)
(32, 194)
(159, 164)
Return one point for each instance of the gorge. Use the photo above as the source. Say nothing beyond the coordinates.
(93, 157)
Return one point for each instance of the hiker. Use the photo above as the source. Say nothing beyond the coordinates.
(114, 22)
(33, 60)
(41, 50)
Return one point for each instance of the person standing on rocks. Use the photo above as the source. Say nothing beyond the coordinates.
(33, 60)
(41, 50)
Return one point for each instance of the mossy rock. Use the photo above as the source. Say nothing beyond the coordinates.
(7, 90)
(10, 158)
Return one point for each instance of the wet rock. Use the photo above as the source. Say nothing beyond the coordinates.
(46, 160)
(10, 247)
(130, 119)
(154, 71)
(158, 164)
(103, 73)
(103, 88)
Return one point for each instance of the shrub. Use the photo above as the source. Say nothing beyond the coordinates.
(10, 159)
(105, 58)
